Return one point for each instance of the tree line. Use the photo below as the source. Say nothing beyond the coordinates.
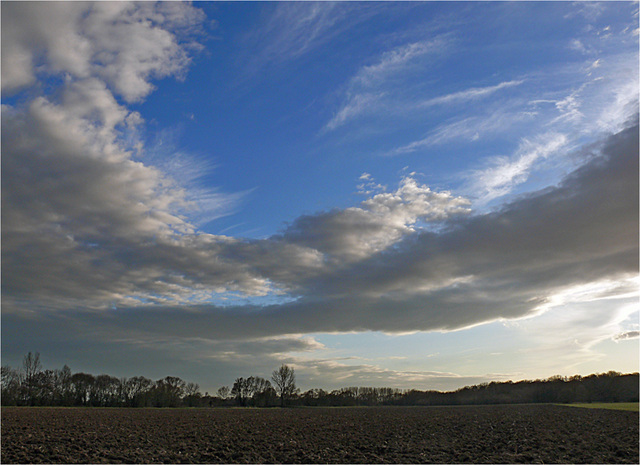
(30, 385)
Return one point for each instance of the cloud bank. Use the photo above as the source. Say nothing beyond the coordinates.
(371, 268)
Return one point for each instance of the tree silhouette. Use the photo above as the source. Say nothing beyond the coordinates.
(242, 390)
(31, 365)
(284, 380)
(223, 392)
(31, 385)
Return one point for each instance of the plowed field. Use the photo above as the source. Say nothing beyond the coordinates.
(482, 434)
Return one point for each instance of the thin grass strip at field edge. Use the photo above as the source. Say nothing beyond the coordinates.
(628, 406)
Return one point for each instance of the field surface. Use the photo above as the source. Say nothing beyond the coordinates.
(481, 434)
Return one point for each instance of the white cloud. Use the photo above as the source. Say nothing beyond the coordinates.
(102, 227)
(362, 102)
(123, 44)
(589, 10)
(395, 61)
(507, 172)
(470, 129)
(577, 45)
(576, 321)
(294, 28)
(357, 105)
(469, 94)
(620, 104)
(358, 232)
(29, 29)
(369, 88)
(291, 30)
(339, 373)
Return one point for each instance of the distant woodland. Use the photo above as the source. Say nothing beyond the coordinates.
(30, 385)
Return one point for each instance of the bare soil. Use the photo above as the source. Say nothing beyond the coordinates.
(478, 434)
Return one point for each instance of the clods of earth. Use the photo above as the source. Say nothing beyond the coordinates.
(467, 434)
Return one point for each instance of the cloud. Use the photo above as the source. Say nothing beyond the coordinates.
(123, 44)
(587, 99)
(104, 229)
(231, 351)
(469, 94)
(368, 89)
(355, 106)
(471, 128)
(506, 173)
(190, 171)
(568, 335)
(577, 45)
(192, 358)
(626, 335)
(294, 28)
(506, 264)
(361, 101)
(589, 10)
(395, 61)
(84, 221)
(339, 373)
(291, 30)
(358, 232)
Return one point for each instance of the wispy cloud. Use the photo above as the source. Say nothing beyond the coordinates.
(295, 28)
(396, 61)
(357, 105)
(578, 318)
(507, 172)
(351, 373)
(369, 87)
(468, 94)
(290, 30)
(469, 129)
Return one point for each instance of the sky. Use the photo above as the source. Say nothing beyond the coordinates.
(416, 195)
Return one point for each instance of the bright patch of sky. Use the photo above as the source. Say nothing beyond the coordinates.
(404, 194)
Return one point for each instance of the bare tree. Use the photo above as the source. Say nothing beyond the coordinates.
(63, 381)
(223, 392)
(11, 381)
(168, 392)
(192, 394)
(242, 390)
(192, 389)
(284, 380)
(82, 384)
(260, 385)
(32, 366)
(138, 389)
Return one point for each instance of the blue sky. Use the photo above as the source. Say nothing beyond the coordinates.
(419, 194)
